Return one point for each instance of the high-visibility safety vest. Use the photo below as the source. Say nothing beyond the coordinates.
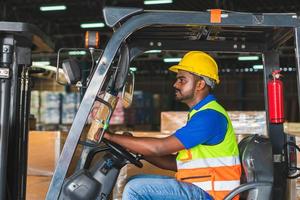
(214, 168)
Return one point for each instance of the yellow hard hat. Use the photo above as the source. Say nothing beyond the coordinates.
(199, 63)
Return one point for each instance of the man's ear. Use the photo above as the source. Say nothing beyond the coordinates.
(200, 85)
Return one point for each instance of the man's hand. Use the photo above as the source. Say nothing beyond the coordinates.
(107, 135)
(127, 133)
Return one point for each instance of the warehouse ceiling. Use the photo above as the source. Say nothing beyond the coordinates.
(63, 27)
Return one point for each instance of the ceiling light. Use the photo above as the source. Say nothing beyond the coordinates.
(77, 53)
(153, 51)
(168, 60)
(92, 25)
(244, 58)
(257, 66)
(152, 2)
(53, 8)
(40, 63)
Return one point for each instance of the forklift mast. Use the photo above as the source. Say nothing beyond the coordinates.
(18, 41)
(212, 31)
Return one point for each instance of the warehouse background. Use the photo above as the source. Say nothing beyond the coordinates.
(54, 106)
(241, 81)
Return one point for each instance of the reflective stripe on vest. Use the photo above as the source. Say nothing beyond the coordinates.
(209, 162)
(218, 185)
(214, 168)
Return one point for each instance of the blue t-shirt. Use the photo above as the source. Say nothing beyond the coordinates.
(205, 127)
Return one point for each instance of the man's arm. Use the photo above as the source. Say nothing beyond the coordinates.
(147, 146)
(164, 162)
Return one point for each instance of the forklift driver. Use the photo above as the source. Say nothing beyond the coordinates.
(206, 161)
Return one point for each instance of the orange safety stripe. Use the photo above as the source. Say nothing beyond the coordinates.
(220, 174)
(219, 195)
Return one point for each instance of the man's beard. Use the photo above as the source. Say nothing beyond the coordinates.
(183, 98)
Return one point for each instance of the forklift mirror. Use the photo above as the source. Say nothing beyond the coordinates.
(128, 89)
(78, 64)
(71, 70)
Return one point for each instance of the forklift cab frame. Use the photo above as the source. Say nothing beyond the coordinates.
(213, 31)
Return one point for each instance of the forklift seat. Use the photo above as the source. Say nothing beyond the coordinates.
(257, 169)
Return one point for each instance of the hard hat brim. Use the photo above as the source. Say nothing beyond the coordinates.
(175, 69)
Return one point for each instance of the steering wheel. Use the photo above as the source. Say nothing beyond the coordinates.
(119, 150)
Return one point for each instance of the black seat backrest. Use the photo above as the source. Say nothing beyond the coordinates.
(257, 169)
(256, 158)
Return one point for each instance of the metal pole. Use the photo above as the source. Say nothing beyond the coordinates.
(275, 132)
(4, 116)
(297, 53)
(25, 109)
(13, 165)
(6, 60)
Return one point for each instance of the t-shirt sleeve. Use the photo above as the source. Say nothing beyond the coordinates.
(205, 127)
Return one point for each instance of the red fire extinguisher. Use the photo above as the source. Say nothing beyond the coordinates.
(275, 98)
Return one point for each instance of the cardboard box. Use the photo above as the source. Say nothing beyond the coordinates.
(248, 122)
(243, 122)
(292, 128)
(171, 121)
(43, 152)
(37, 187)
(44, 148)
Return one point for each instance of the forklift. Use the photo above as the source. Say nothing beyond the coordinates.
(137, 31)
